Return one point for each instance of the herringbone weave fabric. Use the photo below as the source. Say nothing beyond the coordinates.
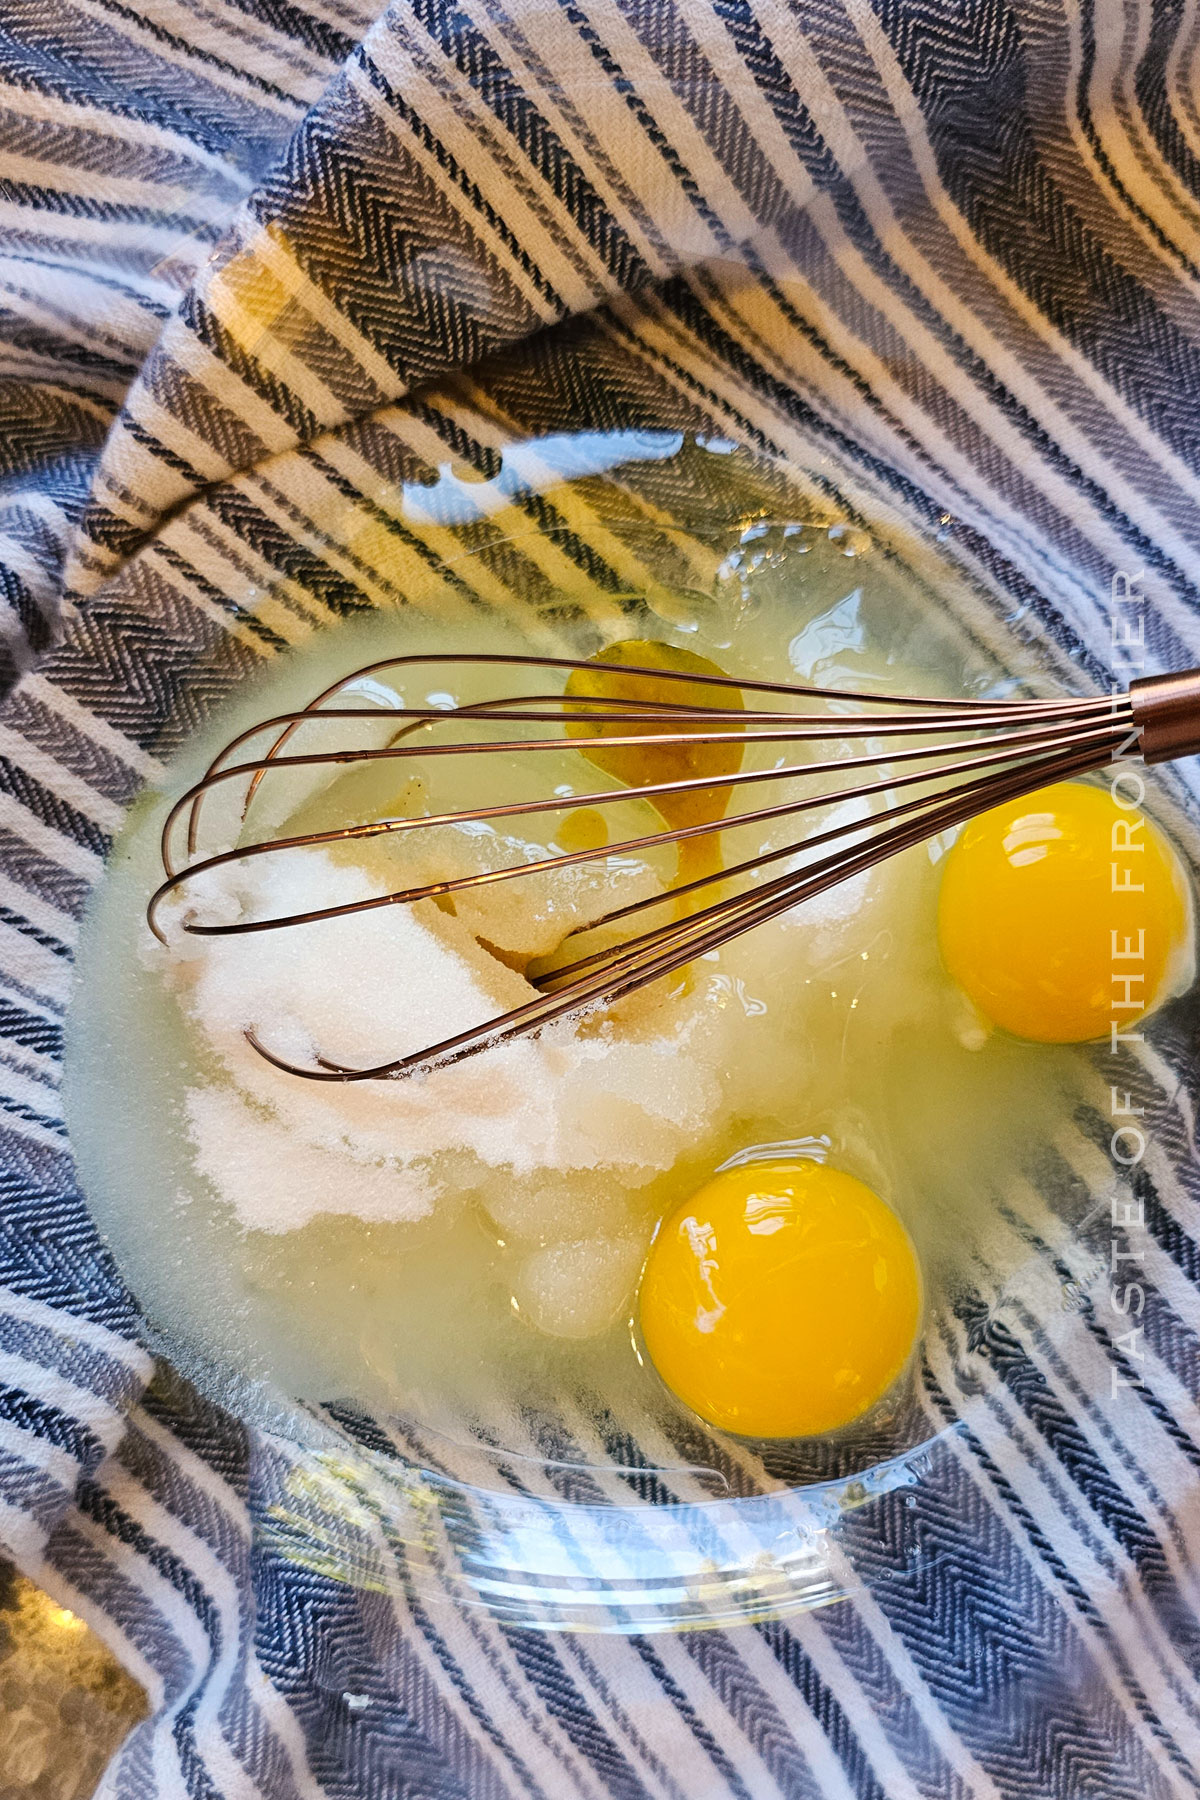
(262, 263)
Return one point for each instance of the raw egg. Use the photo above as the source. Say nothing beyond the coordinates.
(1063, 913)
(611, 675)
(781, 1300)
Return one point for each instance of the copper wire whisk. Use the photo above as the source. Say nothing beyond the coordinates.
(932, 763)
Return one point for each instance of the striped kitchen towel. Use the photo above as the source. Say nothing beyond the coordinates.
(267, 265)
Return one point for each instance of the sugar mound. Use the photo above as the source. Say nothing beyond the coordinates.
(584, 1098)
(245, 1152)
(568, 1145)
(577, 1289)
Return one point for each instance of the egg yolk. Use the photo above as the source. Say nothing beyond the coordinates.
(609, 676)
(781, 1300)
(1063, 913)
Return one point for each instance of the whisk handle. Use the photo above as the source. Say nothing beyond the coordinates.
(1166, 711)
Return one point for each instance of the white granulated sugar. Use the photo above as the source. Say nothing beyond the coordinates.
(531, 914)
(577, 1289)
(277, 1183)
(366, 989)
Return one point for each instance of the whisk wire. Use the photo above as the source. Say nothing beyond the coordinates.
(1013, 747)
(639, 969)
(1009, 744)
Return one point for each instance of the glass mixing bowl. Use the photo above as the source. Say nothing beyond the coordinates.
(567, 1522)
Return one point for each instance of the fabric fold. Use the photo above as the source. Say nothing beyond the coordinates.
(471, 177)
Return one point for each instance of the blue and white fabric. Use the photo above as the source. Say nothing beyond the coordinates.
(263, 262)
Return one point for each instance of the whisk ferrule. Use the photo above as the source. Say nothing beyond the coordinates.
(1166, 712)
